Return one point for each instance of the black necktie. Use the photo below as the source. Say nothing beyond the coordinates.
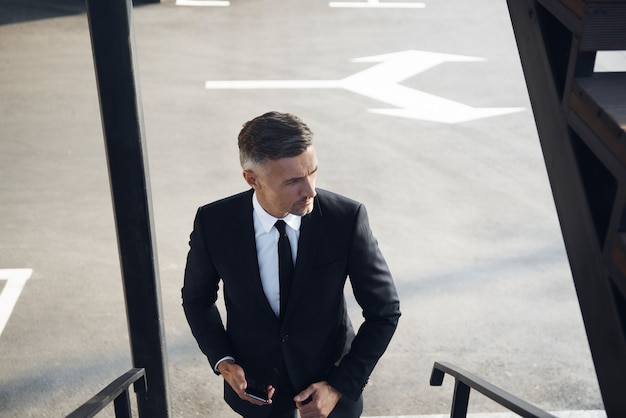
(285, 265)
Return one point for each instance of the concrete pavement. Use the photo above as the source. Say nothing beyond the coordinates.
(462, 209)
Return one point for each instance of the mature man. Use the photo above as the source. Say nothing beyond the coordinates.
(287, 328)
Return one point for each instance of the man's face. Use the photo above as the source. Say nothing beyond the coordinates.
(286, 185)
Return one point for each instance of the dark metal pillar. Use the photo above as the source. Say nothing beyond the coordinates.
(113, 42)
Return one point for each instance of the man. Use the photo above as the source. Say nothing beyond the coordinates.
(296, 341)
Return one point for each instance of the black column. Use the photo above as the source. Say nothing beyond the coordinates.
(113, 42)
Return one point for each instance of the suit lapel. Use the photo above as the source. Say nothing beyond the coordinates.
(310, 232)
(244, 253)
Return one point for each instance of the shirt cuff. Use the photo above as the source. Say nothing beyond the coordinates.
(216, 370)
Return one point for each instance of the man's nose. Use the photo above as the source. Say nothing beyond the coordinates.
(309, 187)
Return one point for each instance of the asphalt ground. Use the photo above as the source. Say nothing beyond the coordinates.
(462, 209)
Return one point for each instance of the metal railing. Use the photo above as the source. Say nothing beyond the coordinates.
(116, 392)
(465, 381)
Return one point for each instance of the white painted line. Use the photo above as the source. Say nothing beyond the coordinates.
(560, 414)
(375, 4)
(381, 82)
(273, 84)
(202, 3)
(16, 279)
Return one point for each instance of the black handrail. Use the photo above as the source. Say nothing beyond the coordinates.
(116, 392)
(464, 381)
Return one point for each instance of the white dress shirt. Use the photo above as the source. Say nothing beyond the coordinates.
(266, 237)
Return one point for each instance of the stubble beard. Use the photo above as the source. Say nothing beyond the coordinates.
(302, 208)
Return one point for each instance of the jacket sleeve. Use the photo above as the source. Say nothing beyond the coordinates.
(375, 292)
(199, 294)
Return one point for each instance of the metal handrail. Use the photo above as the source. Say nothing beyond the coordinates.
(464, 381)
(116, 392)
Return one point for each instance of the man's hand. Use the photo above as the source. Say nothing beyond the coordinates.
(236, 378)
(317, 401)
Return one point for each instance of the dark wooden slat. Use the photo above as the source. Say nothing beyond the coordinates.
(604, 24)
(600, 101)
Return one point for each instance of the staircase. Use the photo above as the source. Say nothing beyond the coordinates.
(580, 116)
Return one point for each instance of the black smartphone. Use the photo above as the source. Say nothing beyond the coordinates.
(256, 391)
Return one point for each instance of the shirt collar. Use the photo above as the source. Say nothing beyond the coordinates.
(268, 220)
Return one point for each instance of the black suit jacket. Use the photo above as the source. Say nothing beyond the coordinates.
(315, 340)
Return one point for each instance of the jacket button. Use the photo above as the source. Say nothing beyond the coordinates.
(285, 338)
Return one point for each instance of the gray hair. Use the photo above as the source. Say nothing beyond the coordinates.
(272, 136)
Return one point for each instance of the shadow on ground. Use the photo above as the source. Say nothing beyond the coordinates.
(17, 11)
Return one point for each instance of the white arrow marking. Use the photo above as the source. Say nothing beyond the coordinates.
(16, 279)
(381, 82)
(203, 3)
(375, 4)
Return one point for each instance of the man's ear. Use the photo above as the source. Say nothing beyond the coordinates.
(250, 178)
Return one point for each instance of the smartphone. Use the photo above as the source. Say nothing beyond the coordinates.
(256, 391)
